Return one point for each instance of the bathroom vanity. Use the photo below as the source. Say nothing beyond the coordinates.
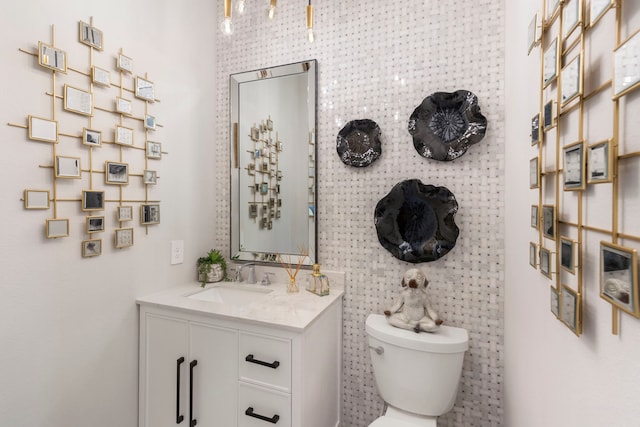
(234, 354)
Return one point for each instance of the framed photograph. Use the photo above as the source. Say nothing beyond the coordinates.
(548, 115)
(57, 228)
(149, 214)
(124, 106)
(535, 129)
(124, 213)
(574, 167)
(52, 58)
(43, 129)
(92, 200)
(144, 89)
(150, 177)
(123, 135)
(619, 277)
(91, 248)
(255, 133)
(597, 9)
(626, 67)
(95, 224)
(92, 137)
(154, 150)
(124, 63)
(550, 70)
(67, 167)
(554, 301)
(90, 35)
(570, 309)
(149, 122)
(571, 81)
(549, 221)
(100, 76)
(78, 101)
(253, 210)
(535, 217)
(123, 237)
(116, 173)
(534, 173)
(36, 199)
(533, 255)
(571, 16)
(568, 254)
(545, 262)
(532, 38)
(600, 162)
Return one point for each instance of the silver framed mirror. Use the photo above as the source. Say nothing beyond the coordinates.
(273, 163)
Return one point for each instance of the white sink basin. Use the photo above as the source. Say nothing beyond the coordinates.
(232, 294)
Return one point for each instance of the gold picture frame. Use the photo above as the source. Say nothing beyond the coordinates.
(571, 81)
(116, 173)
(92, 200)
(600, 162)
(549, 221)
(149, 214)
(154, 150)
(571, 309)
(100, 76)
(574, 167)
(546, 267)
(571, 17)
(40, 129)
(568, 254)
(90, 35)
(534, 173)
(67, 167)
(124, 106)
(626, 75)
(94, 224)
(91, 248)
(124, 213)
(37, 199)
(619, 277)
(124, 63)
(78, 101)
(52, 58)
(123, 238)
(533, 255)
(91, 137)
(144, 89)
(550, 63)
(57, 227)
(554, 301)
(123, 135)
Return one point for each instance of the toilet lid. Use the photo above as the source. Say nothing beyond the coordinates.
(390, 422)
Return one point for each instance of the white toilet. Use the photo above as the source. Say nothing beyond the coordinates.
(417, 374)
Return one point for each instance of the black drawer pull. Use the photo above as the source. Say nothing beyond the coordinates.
(273, 365)
(272, 420)
(192, 421)
(179, 418)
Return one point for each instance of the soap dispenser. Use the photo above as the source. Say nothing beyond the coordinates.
(318, 283)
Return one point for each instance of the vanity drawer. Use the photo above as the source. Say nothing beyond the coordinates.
(260, 407)
(265, 361)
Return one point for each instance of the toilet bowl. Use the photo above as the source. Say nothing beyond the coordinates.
(417, 374)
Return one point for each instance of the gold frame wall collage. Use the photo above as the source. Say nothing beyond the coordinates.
(106, 110)
(578, 212)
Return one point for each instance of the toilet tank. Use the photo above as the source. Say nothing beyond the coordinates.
(416, 372)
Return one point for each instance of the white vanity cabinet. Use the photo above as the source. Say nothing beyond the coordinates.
(199, 369)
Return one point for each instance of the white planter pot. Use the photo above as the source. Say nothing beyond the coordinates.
(215, 274)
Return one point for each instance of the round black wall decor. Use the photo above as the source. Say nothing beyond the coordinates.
(415, 222)
(446, 124)
(358, 143)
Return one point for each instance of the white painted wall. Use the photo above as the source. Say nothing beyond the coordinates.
(553, 378)
(68, 325)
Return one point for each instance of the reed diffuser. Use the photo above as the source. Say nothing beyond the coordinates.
(293, 286)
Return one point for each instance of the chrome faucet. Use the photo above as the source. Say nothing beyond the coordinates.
(252, 273)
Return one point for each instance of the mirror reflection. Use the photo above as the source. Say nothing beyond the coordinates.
(273, 163)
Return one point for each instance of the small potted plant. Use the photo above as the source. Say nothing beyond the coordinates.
(212, 268)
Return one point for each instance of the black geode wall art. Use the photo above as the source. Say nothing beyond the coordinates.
(446, 124)
(415, 222)
(358, 143)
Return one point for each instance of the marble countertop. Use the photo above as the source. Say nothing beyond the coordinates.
(278, 308)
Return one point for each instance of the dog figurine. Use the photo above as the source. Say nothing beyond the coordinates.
(413, 310)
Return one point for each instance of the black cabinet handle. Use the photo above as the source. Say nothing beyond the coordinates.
(179, 417)
(273, 365)
(272, 420)
(192, 421)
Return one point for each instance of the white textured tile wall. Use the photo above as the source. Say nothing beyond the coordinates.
(378, 60)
